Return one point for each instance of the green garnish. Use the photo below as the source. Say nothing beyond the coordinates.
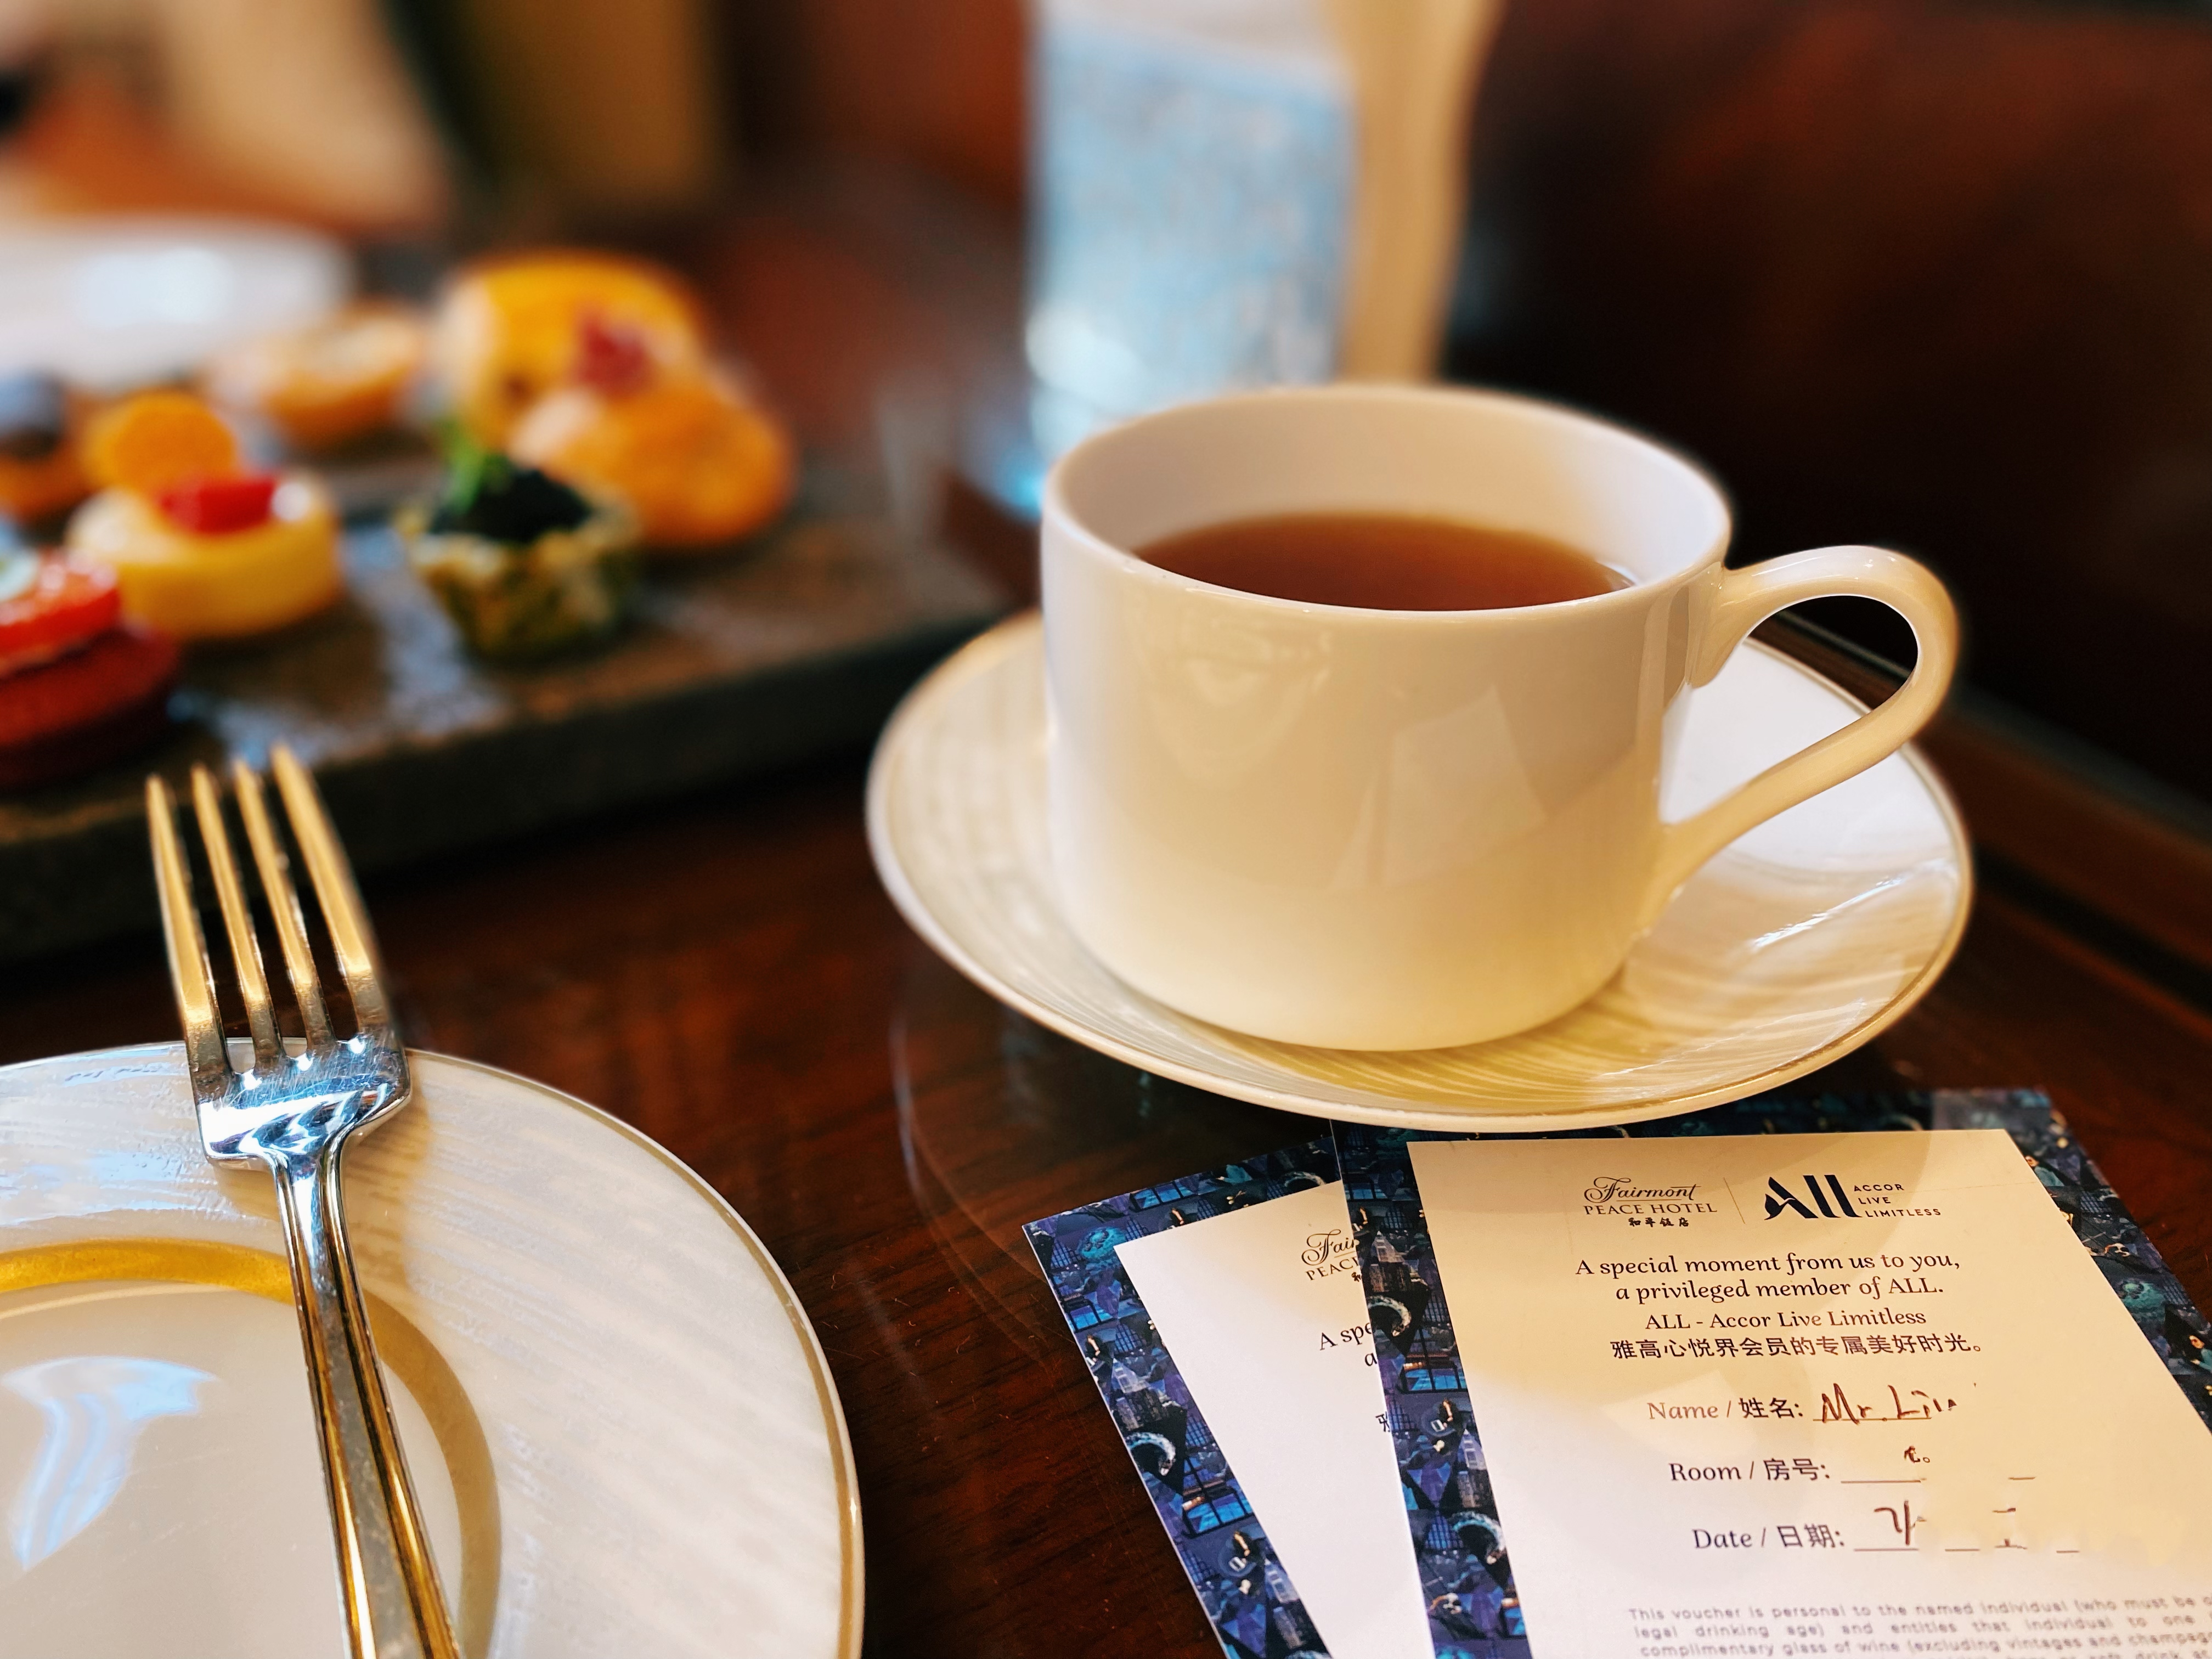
(487, 495)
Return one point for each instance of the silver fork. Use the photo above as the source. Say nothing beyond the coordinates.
(295, 1112)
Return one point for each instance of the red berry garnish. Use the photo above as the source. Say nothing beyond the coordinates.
(217, 507)
(612, 358)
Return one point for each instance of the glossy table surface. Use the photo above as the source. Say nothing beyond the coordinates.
(727, 976)
(725, 973)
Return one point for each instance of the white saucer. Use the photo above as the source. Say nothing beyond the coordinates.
(1800, 942)
(624, 1436)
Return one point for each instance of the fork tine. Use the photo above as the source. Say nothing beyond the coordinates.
(350, 935)
(190, 973)
(283, 903)
(237, 920)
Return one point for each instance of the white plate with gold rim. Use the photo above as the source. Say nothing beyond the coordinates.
(624, 1434)
(1801, 940)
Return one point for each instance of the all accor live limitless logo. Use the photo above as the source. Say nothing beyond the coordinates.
(1779, 1198)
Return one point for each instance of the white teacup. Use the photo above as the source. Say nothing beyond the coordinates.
(1401, 828)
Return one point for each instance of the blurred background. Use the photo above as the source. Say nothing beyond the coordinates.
(1932, 274)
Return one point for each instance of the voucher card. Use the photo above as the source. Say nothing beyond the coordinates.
(1222, 1318)
(1262, 1310)
(1461, 1538)
(1832, 1394)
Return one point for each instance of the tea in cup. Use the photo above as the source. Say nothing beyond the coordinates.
(1359, 700)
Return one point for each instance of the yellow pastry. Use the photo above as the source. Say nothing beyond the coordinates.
(698, 464)
(334, 381)
(510, 330)
(201, 550)
(211, 582)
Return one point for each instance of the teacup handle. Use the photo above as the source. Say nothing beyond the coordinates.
(1746, 599)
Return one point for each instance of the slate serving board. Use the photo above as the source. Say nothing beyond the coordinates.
(797, 645)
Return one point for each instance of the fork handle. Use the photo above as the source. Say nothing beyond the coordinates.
(389, 1584)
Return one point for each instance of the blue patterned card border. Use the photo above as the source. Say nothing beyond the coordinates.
(1255, 1610)
(1474, 1612)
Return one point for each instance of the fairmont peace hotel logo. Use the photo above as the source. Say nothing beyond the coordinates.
(1671, 1206)
(1619, 1190)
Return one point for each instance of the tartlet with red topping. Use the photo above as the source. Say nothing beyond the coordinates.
(701, 463)
(79, 686)
(201, 548)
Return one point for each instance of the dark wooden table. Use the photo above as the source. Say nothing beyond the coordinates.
(727, 973)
